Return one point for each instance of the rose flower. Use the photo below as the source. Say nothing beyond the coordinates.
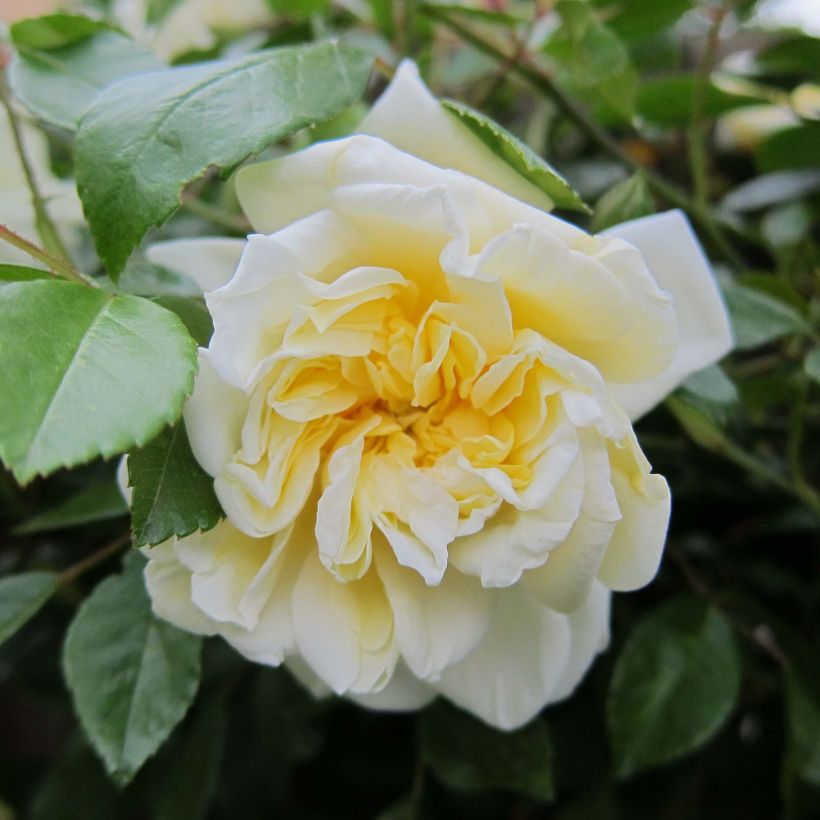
(416, 410)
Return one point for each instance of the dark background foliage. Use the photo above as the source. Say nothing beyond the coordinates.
(707, 703)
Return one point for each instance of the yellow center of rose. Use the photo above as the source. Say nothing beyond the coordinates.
(423, 418)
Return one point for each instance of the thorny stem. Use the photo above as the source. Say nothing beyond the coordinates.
(49, 235)
(81, 567)
(59, 267)
(541, 81)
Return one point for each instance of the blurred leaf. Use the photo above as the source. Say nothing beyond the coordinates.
(593, 57)
(627, 200)
(802, 693)
(700, 426)
(65, 61)
(404, 808)
(795, 56)
(146, 279)
(22, 597)
(52, 31)
(713, 392)
(188, 777)
(473, 14)
(668, 101)
(786, 225)
(759, 318)
(98, 501)
(299, 9)
(468, 755)
(518, 155)
(143, 139)
(674, 685)
(173, 495)
(18, 273)
(771, 189)
(83, 374)
(132, 676)
(76, 787)
(638, 18)
(811, 364)
(713, 385)
(797, 147)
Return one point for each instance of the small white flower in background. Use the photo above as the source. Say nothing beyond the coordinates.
(16, 209)
(192, 25)
(416, 409)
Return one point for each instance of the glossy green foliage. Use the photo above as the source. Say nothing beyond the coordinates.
(84, 374)
(172, 494)
(132, 676)
(146, 137)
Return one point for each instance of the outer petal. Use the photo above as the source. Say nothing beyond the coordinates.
(169, 584)
(531, 657)
(512, 674)
(214, 415)
(634, 553)
(674, 256)
(408, 116)
(404, 693)
(343, 631)
(210, 262)
(435, 626)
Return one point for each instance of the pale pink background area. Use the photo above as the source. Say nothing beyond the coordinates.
(15, 9)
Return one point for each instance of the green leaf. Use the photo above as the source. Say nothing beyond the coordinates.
(593, 58)
(627, 200)
(173, 495)
(62, 66)
(668, 101)
(99, 501)
(19, 273)
(802, 693)
(84, 374)
(786, 225)
(797, 147)
(793, 56)
(59, 798)
(132, 677)
(146, 137)
(639, 18)
(518, 156)
(22, 597)
(674, 685)
(700, 424)
(189, 770)
(194, 316)
(470, 756)
(712, 385)
(55, 30)
(759, 318)
(811, 364)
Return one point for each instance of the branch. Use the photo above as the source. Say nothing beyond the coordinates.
(58, 267)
